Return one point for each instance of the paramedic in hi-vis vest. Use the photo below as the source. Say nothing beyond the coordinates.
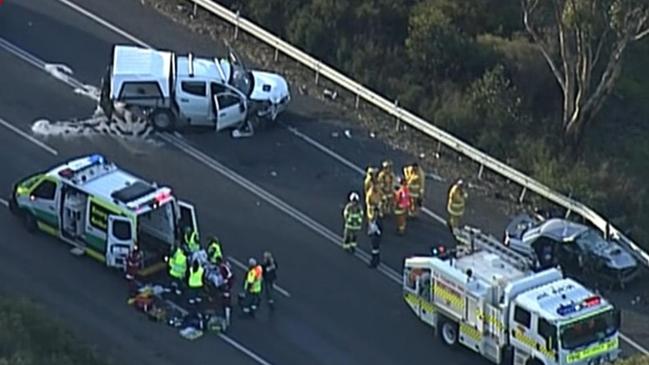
(402, 206)
(456, 202)
(253, 286)
(386, 181)
(178, 269)
(415, 178)
(353, 220)
(196, 281)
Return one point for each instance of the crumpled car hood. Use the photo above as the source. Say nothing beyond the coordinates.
(269, 86)
(615, 256)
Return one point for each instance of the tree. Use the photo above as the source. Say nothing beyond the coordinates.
(590, 37)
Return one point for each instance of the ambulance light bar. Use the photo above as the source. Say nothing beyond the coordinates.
(154, 200)
(592, 301)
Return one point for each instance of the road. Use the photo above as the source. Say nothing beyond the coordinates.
(347, 313)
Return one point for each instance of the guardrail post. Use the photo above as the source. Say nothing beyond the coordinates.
(480, 171)
(317, 73)
(522, 196)
(396, 113)
(195, 9)
(236, 25)
(358, 100)
(276, 53)
(439, 147)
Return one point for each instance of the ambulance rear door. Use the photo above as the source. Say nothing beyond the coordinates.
(187, 218)
(120, 239)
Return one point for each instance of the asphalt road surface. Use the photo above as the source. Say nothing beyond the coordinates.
(338, 310)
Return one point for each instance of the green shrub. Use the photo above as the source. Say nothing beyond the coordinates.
(29, 337)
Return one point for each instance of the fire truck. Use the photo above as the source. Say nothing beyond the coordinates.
(488, 299)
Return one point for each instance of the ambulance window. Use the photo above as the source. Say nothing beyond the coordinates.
(522, 316)
(122, 230)
(46, 190)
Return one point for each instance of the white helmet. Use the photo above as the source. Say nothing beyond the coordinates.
(353, 197)
(252, 262)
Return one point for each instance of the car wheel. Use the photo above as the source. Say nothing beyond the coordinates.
(30, 222)
(162, 120)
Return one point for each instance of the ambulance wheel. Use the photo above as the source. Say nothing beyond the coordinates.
(448, 332)
(30, 222)
(162, 120)
(13, 208)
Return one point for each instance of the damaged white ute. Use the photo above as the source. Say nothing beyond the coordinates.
(172, 90)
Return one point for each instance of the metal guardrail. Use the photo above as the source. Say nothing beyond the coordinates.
(361, 92)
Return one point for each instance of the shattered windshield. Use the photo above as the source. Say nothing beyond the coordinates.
(594, 242)
(241, 79)
(585, 331)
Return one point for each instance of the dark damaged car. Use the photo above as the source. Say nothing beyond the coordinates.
(579, 249)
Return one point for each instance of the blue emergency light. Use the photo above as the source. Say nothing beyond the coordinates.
(96, 159)
(564, 310)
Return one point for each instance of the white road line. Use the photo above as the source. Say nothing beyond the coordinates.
(28, 137)
(384, 269)
(4, 202)
(223, 336)
(243, 267)
(105, 23)
(274, 201)
(243, 349)
(326, 150)
(634, 344)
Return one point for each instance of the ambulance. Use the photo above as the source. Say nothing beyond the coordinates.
(490, 304)
(104, 211)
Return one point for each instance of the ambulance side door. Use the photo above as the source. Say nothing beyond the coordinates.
(44, 199)
(187, 218)
(120, 239)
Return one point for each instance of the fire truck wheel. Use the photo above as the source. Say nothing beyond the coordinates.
(533, 361)
(30, 222)
(448, 332)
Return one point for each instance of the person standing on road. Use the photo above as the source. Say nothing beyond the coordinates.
(370, 178)
(353, 218)
(270, 275)
(178, 269)
(374, 232)
(226, 288)
(253, 285)
(456, 203)
(134, 262)
(191, 240)
(414, 178)
(386, 181)
(402, 206)
(373, 203)
(196, 281)
(214, 250)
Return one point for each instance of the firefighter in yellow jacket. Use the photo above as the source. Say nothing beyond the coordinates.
(387, 184)
(370, 179)
(373, 202)
(456, 202)
(414, 176)
(353, 222)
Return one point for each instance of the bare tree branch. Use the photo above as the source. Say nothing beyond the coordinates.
(528, 7)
